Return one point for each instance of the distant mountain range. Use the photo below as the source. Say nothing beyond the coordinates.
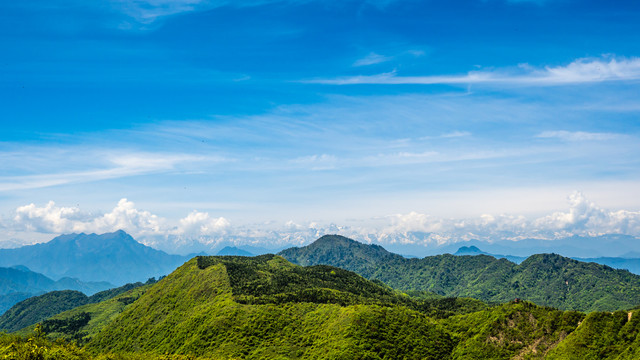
(586, 247)
(233, 251)
(631, 264)
(19, 283)
(114, 257)
(545, 279)
(38, 308)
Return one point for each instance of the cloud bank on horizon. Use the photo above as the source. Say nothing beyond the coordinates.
(278, 119)
(202, 231)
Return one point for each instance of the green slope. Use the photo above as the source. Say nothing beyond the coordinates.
(265, 307)
(603, 336)
(38, 308)
(35, 309)
(545, 279)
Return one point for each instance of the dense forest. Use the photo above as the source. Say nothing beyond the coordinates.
(545, 279)
(232, 307)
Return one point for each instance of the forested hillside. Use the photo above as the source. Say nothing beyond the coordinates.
(545, 279)
(18, 283)
(265, 307)
(38, 308)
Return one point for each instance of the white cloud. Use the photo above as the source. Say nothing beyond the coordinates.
(200, 223)
(582, 218)
(147, 11)
(580, 71)
(57, 220)
(586, 218)
(577, 135)
(124, 216)
(317, 162)
(372, 59)
(106, 165)
(200, 231)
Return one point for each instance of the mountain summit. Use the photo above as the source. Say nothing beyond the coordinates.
(114, 257)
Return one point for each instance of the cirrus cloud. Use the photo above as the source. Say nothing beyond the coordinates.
(580, 71)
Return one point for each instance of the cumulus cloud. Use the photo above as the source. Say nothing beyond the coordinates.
(200, 231)
(586, 218)
(53, 219)
(56, 219)
(200, 223)
(582, 218)
(580, 71)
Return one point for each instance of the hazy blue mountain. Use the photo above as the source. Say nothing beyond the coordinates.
(37, 308)
(632, 265)
(473, 250)
(19, 283)
(114, 257)
(233, 251)
(613, 245)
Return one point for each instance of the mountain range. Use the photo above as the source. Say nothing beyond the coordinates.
(611, 245)
(113, 257)
(19, 283)
(630, 264)
(266, 308)
(546, 279)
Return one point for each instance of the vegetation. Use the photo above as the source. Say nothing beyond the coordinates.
(234, 307)
(546, 279)
(35, 309)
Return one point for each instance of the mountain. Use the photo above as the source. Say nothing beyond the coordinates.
(611, 245)
(474, 250)
(18, 283)
(633, 265)
(233, 251)
(546, 279)
(630, 264)
(266, 308)
(38, 308)
(114, 257)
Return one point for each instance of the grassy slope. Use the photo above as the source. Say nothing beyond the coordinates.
(32, 310)
(603, 336)
(193, 311)
(38, 308)
(101, 314)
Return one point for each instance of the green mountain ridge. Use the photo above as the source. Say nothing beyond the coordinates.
(546, 279)
(233, 307)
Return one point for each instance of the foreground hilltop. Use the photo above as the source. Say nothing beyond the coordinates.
(266, 307)
(546, 279)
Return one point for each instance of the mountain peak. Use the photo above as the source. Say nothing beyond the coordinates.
(115, 257)
(331, 248)
(469, 250)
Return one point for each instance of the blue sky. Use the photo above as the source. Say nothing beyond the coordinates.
(228, 119)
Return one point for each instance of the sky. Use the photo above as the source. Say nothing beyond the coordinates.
(190, 123)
